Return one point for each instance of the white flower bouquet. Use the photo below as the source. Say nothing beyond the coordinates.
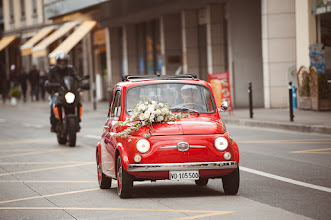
(145, 114)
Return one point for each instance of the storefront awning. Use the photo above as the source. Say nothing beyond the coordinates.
(5, 41)
(26, 48)
(41, 48)
(73, 39)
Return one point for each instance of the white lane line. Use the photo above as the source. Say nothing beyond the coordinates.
(32, 125)
(284, 179)
(92, 136)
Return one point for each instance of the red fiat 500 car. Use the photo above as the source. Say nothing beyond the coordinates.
(194, 146)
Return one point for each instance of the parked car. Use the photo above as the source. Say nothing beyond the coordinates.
(189, 141)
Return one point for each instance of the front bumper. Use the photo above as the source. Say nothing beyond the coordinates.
(182, 166)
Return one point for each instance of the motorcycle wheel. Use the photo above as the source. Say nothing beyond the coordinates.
(61, 140)
(72, 132)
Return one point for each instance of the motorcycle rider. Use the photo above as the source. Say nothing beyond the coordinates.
(56, 75)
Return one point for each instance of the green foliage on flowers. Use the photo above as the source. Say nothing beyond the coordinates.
(15, 92)
(146, 113)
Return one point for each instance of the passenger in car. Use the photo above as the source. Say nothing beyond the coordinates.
(169, 95)
(131, 100)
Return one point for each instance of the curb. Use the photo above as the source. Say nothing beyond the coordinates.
(280, 125)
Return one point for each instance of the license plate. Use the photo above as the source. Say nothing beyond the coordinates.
(183, 175)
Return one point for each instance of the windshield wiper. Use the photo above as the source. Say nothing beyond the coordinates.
(183, 109)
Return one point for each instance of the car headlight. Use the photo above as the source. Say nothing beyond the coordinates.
(221, 143)
(70, 97)
(143, 145)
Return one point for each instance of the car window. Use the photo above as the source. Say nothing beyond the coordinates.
(176, 95)
(116, 107)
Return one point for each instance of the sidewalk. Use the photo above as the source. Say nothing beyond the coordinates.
(304, 121)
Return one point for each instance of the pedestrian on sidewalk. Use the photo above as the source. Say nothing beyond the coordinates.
(42, 80)
(13, 76)
(23, 80)
(34, 82)
(3, 83)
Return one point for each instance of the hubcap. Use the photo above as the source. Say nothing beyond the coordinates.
(119, 176)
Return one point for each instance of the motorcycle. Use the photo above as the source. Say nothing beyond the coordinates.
(67, 108)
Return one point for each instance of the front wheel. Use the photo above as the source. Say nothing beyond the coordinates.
(124, 180)
(71, 131)
(231, 183)
(61, 138)
(103, 180)
(201, 182)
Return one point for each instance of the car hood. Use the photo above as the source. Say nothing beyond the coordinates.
(191, 125)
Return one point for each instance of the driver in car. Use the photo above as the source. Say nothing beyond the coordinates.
(190, 95)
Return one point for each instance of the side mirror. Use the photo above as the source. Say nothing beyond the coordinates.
(224, 106)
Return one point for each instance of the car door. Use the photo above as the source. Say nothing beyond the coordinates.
(110, 138)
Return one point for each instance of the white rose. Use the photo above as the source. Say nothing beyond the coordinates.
(160, 118)
(147, 113)
(142, 107)
(142, 116)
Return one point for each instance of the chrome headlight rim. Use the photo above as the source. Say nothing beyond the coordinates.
(221, 143)
(69, 97)
(143, 145)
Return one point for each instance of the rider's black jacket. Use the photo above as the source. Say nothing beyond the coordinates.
(56, 74)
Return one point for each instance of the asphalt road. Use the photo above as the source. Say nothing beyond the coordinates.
(284, 175)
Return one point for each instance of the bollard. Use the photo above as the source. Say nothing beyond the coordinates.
(291, 101)
(250, 98)
(295, 99)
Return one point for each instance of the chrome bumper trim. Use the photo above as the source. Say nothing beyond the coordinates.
(182, 166)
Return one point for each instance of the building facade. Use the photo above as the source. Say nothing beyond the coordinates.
(264, 42)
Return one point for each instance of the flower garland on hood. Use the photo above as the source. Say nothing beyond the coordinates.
(145, 114)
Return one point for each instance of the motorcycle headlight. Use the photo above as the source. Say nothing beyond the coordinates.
(143, 145)
(70, 97)
(221, 143)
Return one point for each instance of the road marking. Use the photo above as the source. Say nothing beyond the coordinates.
(25, 141)
(32, 125)
(44, 181)
(208, 213)
(38, 163)
(92, 136)
(313, 151)
(50, 195)
(284, 179)
(43, 169)
(294, 141)
(32, 153)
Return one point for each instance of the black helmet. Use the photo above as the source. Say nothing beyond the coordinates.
(62, 59)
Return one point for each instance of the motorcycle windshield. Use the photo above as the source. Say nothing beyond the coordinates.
(68, 82)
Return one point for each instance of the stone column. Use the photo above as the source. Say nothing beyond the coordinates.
(115, 56)
(190, 47)
(278, 50)
(130, 54)
(171, 43)
(216, 45)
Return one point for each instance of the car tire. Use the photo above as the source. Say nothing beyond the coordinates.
(124, 180)
(103, 180)
(201, 182)
(231, 183)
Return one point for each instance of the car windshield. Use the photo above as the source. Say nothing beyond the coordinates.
(179, 97)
